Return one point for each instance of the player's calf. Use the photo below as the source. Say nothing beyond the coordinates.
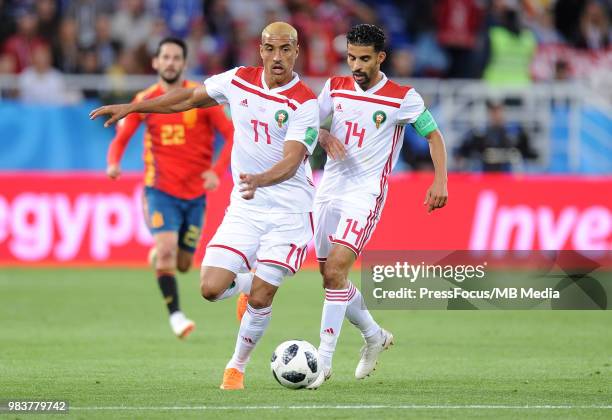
(335, 269)
(184, 261)
(262, 293)
(334, 277)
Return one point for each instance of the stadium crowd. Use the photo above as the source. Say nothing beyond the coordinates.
(503, 42)
(439, 38)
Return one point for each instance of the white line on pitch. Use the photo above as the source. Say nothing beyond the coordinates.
(353, 407)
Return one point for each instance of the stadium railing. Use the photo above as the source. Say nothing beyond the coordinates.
(569, 123)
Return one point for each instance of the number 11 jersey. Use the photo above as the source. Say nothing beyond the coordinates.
(263, 120)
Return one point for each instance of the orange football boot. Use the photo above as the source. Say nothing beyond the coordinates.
(232, 379)
(241, 305)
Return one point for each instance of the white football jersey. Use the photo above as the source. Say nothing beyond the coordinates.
(370, 124)
(263, 120)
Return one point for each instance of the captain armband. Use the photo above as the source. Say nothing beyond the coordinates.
(425, 124)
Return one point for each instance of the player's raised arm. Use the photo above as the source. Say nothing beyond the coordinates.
(294, 153)
(175, 100)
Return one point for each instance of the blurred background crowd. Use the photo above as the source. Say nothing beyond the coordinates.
(426, 38)
(63, 51)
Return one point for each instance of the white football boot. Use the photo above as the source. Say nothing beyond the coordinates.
(181, 326)
(370, 352)
(324, 375)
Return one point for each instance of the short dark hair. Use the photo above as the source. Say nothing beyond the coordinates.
(366, 34)
(172, 40)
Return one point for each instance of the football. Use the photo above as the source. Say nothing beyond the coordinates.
(295, 364)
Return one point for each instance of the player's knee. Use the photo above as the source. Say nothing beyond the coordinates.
(261, 299)
(334, 276)
(209, 293)
(207, 290)
(166, 255)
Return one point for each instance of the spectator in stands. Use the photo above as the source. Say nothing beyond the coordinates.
(132, 26)
(88, 64)
(48, 18)
(250, 14)
(402, 62)
(562, 70)
(159, 30)
(40, 83)
(21, 44)
(126, 64)
(222, 26)
(429, 58)
(180, 15)
(7, 23)
(105, 47)
(500, 147)
(66, 47)
(208, 52)
(511, 49)
(318, 57)
(7, 64)
(458, 24)
(541, 21)
(86, 13)
(595, 31)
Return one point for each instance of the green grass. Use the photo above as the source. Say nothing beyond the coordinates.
(100, 338)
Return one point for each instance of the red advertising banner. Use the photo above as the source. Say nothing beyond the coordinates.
(86, 219)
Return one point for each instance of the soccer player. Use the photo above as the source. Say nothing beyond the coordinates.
(369, 113)
(178, 150)
(268, 223)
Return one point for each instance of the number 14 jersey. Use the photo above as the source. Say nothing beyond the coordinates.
(370, 124)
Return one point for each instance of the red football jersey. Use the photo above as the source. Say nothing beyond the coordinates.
(178, 147)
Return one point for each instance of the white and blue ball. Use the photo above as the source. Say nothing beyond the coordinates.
(295, 364)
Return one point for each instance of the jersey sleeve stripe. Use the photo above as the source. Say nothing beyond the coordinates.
(263, 95)
(365, 99)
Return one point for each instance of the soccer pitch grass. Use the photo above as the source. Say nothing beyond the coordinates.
(101, 340)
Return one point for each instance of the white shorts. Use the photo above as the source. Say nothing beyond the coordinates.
(247, 238)
(349, 221)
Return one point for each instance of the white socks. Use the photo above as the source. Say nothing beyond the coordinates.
(252, 327)
(334, 310)
(359, 316)
(242, 284)
(338, 304)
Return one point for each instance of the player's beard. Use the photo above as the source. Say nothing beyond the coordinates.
(171, 80)
(365, 81)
